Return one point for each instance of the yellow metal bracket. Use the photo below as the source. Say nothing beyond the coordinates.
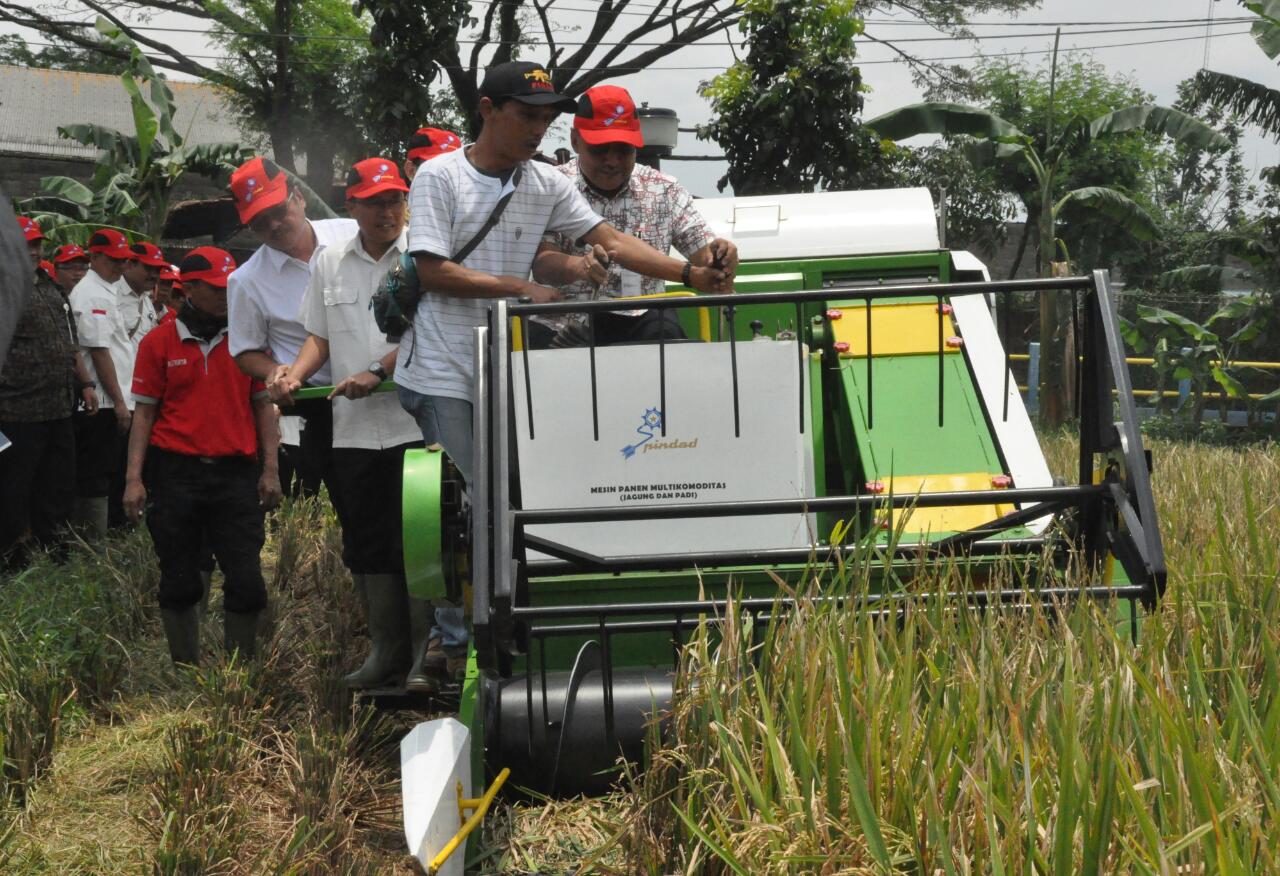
(481, 806)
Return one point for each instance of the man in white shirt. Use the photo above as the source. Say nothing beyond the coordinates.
(451, 198)
(111, 320)
(370, 432)
(264, 297)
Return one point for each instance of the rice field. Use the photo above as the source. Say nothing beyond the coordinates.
(951, 743)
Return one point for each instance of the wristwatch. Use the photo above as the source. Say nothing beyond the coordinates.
(378, 371)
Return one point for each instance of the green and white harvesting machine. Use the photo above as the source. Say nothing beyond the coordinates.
(858, 382)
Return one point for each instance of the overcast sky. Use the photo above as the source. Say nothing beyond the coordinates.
(1158, 68)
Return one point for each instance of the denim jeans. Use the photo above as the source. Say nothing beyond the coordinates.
(445, 421)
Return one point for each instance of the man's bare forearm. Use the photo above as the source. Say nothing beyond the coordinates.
(106, 369)
(556, 268)
(256, 364)
(450, 278)
(144, 417)
(313, 355)
(265, 421)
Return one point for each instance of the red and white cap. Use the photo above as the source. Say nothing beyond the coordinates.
(110, 242)
(169, 273)
(30, 228)
(374, 176)
(69, 252)
(149, 254)
(607, 114)
(258, 185)
(430, 142)
(207, 263)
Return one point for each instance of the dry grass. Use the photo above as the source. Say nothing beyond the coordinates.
(230, 770)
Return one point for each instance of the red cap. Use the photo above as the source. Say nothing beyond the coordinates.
(30, 228)
(69, 252)
(430, 142)
(607, 114)
(374, 176)
(169, 273)
(110, 242)
(47, 266)
(149, 254)
(207, 263)
(258, 185)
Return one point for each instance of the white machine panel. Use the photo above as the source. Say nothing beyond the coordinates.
(825, 224)
(1016, 436)
(434, 757)
(699, 459)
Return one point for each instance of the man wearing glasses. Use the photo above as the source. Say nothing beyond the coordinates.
(264, 297)
(370, 432)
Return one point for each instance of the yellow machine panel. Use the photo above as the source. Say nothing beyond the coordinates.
(939, 520)
(897, 329)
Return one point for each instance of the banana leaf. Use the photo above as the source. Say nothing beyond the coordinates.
(1174, 124)
(946, 118)
(1111, 203)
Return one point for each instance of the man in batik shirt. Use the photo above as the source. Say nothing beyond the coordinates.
(636, 200)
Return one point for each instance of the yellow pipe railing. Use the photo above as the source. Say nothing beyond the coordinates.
(481, 806)
(1139, 360)
(1169, 393)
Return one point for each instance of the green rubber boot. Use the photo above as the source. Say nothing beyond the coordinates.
(182, 631)
(421, 618)
(240, 633)
(389, 654)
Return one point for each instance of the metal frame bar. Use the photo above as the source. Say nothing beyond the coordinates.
(704, 561)
(1109, 519)
(807, 505)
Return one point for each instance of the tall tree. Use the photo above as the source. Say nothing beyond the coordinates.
(136, 173)
(787, 115)
(1022, 95)
(299, 67)
(997, 139)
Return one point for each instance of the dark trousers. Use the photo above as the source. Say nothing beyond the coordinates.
(310, 464)
(214, 504)
(368, 500)
(37, 484)
(97, 452)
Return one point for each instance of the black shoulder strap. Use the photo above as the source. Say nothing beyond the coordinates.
(493, 218)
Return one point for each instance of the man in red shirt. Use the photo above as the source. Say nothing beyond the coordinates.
(208, 437)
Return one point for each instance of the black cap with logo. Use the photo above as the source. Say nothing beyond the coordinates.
(526, 82)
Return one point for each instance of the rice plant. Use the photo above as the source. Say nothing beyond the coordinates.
(958, 741)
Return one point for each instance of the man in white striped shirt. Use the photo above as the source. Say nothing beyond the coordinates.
(450, 200)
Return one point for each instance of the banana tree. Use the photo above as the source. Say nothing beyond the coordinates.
(996, 139)
(1206, 354)
(136, 173)
(1254, 102)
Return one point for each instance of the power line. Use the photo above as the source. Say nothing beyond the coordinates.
(627, 69)
(317, 37)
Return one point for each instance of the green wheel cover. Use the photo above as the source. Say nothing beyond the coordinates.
(420, 521)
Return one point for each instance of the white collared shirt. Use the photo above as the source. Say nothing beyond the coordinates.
(110, 316)
(336, 308)
(264, 298)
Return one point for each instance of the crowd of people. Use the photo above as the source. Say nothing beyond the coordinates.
(135, 388)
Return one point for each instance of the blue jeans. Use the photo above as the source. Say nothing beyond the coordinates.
(445, 421)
